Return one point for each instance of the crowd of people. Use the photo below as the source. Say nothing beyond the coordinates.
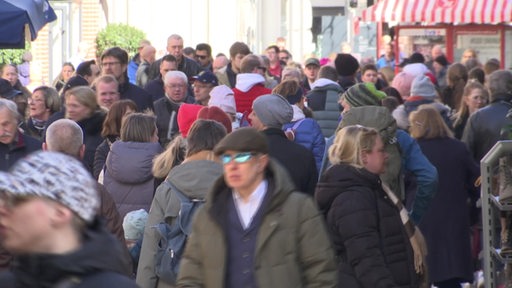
(326, 173)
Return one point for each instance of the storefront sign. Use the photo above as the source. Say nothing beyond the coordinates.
(423, 32)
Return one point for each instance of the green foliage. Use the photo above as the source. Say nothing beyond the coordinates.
(122, 35)
(13, 56)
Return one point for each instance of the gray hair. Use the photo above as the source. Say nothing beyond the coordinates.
(175, 74)
(65, 136)
(500, 82)
(175, 36)
(12, 107)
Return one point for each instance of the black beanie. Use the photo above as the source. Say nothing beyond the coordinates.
(346, 64)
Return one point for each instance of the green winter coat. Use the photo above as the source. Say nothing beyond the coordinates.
(292, 250)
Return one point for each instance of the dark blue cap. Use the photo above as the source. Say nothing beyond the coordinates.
(207, 77)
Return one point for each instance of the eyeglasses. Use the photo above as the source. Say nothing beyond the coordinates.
(238, 158)
(105, 64)
(202, 57)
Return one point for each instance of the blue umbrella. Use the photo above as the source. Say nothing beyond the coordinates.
(15, 14)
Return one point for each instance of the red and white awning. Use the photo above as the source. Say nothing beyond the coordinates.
(440, 11)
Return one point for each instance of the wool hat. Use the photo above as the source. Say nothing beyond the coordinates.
(423, 87)
(363, 94)
(6, 90)
(187, 114)
(416, 57)
(273, 110)
(346, 64)
(74, 82)
(134, 223)
(207, 77)
(54, 176)
(402, 82)
(312, 61)
(223, 97)
(245, 139)
(441, 60)
(215, 113)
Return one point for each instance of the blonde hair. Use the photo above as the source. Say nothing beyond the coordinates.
(427, 123)
(463, 112)
(85, 96)
(173, 155)
(350, 143)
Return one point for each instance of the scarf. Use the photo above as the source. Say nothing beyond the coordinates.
(419, 246)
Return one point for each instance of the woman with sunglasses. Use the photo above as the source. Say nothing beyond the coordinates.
(376, 243)
(193, 177)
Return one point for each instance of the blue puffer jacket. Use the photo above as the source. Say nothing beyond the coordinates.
(308, 134)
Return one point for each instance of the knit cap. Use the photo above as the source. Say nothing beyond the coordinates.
(416, 57)
(423, 87)
(215, 113)
(134, 223)
(363, 94)
(346, 64)
(273, 110)
(442, 60)
(187, 114)
(222, 97)
(402, 82)
(54, 176)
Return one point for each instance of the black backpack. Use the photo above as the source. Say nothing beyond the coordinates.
(173, 238)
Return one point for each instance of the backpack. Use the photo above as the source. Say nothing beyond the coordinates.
(290, 132)
(173, 238)
(380, 118)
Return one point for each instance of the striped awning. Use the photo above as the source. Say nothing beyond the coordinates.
(439, 11)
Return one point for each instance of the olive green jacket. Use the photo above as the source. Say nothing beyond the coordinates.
(292, 250)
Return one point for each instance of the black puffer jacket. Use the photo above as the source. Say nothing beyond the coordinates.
(366, 229)
(98, 263)
(92, 136)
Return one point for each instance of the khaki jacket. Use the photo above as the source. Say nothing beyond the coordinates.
(292, 249)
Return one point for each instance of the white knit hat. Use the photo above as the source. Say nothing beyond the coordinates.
(55, 176)
(134, 223)
(222, 97)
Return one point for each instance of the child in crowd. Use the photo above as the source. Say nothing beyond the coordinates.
(133, 226)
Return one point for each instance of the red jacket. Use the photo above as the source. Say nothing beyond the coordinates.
(244, 100)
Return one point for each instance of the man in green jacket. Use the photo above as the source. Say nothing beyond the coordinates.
(255, 230)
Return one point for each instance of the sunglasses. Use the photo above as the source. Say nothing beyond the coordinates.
(238, 158)
(202, 57)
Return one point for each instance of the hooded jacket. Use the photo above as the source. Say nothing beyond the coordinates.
(194, 179)
(128, 175)
(98, 263)
(248, 87)
(292, 248)
(368, 235)
(308, 134)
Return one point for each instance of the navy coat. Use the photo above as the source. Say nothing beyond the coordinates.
(446, 224)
